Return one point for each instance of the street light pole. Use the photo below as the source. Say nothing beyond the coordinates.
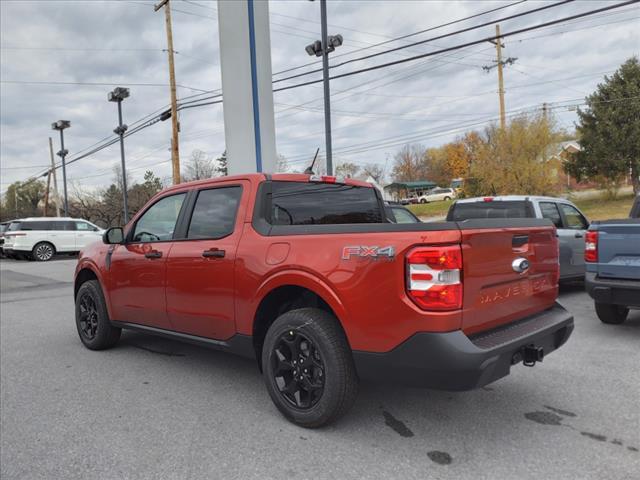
(117, 96)
(60, 125)
(325, 83)
(326, 45)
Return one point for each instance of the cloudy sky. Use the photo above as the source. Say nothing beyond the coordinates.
(60, 58)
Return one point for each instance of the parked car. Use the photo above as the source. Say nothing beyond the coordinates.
(437, 194)
(40, 238)
(570, 222)
(3, 228)
(612, 255)
(311, 280)
(400, 214)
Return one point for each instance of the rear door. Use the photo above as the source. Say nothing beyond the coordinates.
(63, 235)
(510, 270)
(200, 266)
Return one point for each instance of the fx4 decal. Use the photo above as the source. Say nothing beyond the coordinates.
(368, 252)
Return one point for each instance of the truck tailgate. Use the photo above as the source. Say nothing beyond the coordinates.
(619, 249)
(495, 291)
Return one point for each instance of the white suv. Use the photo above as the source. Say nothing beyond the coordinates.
(42, 237)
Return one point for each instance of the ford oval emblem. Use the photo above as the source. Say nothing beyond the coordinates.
(520, 265)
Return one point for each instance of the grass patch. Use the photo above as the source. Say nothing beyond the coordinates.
(433, 209)
(601, 209)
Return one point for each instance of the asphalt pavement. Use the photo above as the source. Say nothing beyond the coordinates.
(158, 409)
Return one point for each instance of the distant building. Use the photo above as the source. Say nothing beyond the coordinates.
(404, 190)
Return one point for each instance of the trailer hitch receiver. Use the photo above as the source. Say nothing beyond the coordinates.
(532, 354)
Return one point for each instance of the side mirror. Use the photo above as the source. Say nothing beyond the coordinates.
(114, 235)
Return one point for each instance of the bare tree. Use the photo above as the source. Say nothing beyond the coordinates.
(374, 171)
(199, 166)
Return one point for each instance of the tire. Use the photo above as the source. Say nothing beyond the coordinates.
(43, 251)
(447, 199)
(611, 314)
(326, 363)
(92, 321)
(423, 200)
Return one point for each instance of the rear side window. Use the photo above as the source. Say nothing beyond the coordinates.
(550, 210)
(214, 214)
(63, 225)
(299, 203)
(31, 226)
(492, 209)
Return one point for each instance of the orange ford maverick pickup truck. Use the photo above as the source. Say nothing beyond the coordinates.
(306, 275)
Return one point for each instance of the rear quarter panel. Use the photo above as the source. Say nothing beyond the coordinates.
(367, 294)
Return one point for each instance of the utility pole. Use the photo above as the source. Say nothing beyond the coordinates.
(55, 179)
(499, 64)
(545, 111)
(46, 194)
(500, 78)
(175, 155)
(60, 125)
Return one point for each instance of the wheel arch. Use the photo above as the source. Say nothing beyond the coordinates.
(86, 272)
(290, 293)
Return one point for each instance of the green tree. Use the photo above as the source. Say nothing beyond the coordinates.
(609, 129)
(221, 165)
(22, 199)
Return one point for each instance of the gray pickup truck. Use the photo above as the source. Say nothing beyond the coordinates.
(612, 257)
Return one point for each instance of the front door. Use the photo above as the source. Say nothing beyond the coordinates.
(85, 234)
(200, 267)
(572, 234)
(138, 267)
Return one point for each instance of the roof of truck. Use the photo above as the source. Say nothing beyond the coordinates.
(514, 198)
(280, 177)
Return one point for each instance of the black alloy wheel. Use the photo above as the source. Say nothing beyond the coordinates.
(88, 316)
(298, 369)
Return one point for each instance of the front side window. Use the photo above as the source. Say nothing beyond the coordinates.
(85, 227)
(214, 214)
(158, 223)
(550, 210)
(573, 218)
(299, 203)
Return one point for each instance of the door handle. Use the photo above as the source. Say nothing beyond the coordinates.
(578, 235)
(153, 254)
(213, 253)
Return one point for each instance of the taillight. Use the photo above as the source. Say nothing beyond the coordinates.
(591, 247)
(434, 279)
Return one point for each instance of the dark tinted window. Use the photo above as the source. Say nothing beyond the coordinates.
(31, 226)
(63, 225)
(550, 210)
(491, 209)
(294, 203)
(214, 215)
(635, 209)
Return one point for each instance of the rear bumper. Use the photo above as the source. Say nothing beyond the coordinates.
(613, 291)
(453, 361)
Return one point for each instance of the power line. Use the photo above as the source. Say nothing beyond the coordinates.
(100, 84)
(446, 35)
(463, 45)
